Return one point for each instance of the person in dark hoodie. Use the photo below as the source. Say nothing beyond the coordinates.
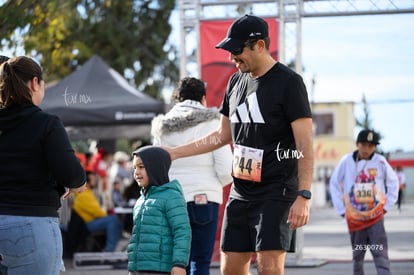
(161, 234)
(37, 167)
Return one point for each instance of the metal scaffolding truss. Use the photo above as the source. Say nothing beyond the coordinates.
(289, 14)
(318, 8)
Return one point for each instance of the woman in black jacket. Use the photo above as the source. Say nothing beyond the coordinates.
(37, 166)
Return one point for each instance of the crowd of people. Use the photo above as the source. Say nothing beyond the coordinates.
(260, 140)
(113, 175)
(106, 206)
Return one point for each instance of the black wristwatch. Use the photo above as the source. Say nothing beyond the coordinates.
(305, 193)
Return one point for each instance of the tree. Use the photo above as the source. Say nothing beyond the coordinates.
(365, 122)
(131, 36)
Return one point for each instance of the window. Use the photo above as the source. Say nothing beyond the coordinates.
(323, 123)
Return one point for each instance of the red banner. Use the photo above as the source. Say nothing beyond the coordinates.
(216, 67)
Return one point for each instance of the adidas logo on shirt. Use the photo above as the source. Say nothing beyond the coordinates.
(248, 112)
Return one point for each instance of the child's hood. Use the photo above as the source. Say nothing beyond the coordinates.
(157, 162)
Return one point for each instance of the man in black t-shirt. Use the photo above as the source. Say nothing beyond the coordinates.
(267, 117)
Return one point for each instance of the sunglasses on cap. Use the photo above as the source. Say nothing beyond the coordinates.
(239, 50)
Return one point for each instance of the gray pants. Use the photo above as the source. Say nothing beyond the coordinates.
(374, 239)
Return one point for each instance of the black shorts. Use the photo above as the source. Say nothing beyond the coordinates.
(257, 226)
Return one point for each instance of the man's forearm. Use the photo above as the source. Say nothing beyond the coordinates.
(305, 170)
(202, 145)
(302, 129)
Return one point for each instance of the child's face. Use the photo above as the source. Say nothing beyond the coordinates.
(140, 174)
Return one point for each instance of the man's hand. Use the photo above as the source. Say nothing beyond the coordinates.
(299, 213)
(170, 151)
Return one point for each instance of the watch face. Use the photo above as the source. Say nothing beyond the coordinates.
(305, 193)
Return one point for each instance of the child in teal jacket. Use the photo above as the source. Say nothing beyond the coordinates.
(161, 234)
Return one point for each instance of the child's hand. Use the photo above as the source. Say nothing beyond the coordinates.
(178, 271)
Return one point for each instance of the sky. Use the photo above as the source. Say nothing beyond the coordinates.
(372, 55)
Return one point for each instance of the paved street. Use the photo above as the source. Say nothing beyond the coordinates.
(327, 248)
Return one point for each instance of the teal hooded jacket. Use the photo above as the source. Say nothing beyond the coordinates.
(161, 233)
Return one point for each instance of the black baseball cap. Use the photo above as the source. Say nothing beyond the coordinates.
(368, 136)
(3, 58)
(242, 29)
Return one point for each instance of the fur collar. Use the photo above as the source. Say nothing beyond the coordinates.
(181, 117)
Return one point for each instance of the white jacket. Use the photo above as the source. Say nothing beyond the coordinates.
(201, 174)
(343, 178)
